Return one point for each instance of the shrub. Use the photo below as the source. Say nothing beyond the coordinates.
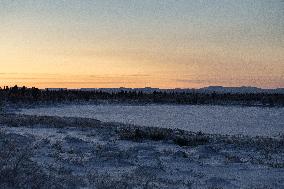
(138, 134)
(191, 140)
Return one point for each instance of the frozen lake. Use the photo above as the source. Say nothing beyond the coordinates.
(253, 121)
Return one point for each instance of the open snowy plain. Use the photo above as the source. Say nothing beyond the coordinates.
(64, 147)
(252, 121)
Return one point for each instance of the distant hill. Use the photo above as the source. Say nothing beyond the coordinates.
(240, 90)
(210, 89)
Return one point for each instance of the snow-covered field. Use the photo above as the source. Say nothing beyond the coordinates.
(63, 148)
(53, 152)
(232, 120)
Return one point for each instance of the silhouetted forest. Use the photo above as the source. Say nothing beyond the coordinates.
(34, 95)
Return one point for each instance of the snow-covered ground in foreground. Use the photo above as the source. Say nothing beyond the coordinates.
(232, 120)
(69, 154)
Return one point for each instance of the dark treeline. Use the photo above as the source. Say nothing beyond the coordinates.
(34, 95)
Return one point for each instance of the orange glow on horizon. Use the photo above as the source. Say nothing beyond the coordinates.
(170, 44)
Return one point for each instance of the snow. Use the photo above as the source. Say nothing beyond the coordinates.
(150, 164)
(231, 120)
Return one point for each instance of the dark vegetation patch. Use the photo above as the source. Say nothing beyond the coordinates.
(191, 141)
(137, 134)
(26, 96)
(179, 137)
(47, 121)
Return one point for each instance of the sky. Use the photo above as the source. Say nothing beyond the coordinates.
(142, 43)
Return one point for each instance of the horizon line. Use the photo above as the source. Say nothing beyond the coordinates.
(146, 87)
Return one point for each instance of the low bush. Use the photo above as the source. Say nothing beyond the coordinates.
(191, 141)
(138, 134)
(158, 134)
